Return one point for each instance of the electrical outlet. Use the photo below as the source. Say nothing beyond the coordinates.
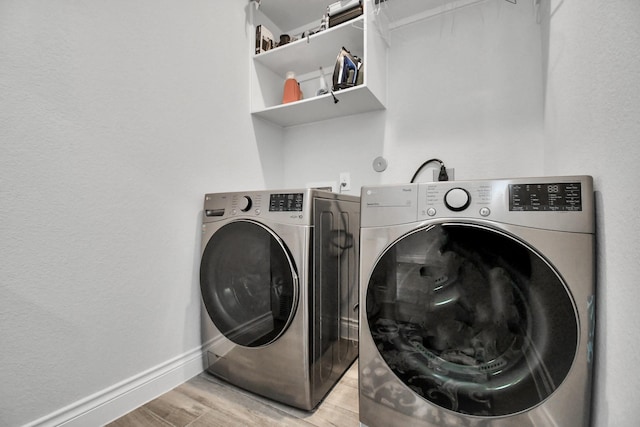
(436, 172)
(345, 181)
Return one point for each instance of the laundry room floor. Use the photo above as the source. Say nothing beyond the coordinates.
(207, 401)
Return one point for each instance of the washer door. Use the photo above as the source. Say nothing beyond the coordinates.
(472, 319)
(249, 283)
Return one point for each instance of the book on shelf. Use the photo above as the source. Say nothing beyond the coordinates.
(264, 39)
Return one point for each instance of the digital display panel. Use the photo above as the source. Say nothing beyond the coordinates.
(290, 202)
(566, 196)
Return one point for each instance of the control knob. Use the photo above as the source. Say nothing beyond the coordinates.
(457, 199)
(245, 203)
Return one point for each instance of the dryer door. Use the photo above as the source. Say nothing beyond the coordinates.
(249, 283)
(472, 319)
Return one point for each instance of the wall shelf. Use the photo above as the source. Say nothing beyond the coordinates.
(361, 36)
(351, 101)
(302, 55)
(365, 36)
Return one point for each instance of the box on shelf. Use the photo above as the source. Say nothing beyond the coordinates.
(345, 15)
(340, 6)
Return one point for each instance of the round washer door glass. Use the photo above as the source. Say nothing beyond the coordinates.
(471, 319)
(248, 283)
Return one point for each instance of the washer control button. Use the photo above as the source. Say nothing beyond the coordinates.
(457, 199)
(485, 211)
(244, 203)
(431, 211)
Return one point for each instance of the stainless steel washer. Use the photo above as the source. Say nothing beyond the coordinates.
(279, 287)
(478, 303)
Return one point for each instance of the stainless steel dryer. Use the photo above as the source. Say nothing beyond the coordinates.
(478, 303)
(279, 283)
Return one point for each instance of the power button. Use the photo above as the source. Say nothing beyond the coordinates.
(457, 199)
(245, 203)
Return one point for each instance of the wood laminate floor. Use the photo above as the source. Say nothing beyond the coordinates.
(207, 401)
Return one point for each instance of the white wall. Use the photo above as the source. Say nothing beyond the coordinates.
(465, 87)
(499, 95)
(115, 118)
(592, 119)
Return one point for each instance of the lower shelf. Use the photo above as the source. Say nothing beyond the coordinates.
(351, 101)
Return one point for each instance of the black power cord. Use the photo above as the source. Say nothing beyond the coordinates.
(442, 175)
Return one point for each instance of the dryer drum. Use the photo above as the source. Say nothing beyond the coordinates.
(248, 283)
(471, 319)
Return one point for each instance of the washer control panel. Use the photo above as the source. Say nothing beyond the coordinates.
(283, 205)
(554, 196)
(289, 206)
(280, 206)
(471, 198)
(286, 202)
(556, 203)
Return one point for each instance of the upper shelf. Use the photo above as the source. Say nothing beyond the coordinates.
(287, 14)
(297, 55)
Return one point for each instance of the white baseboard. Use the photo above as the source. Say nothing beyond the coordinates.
(119, 399)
